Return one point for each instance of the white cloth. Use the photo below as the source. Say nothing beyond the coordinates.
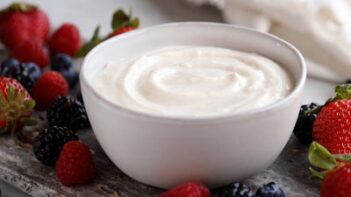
(320, 29)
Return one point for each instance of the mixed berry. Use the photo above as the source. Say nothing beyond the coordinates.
(39, 75)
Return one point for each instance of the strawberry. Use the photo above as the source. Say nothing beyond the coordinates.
(332, 127)
(31, 51)
(121, 23)
(16, 105)
(335, 169)
(337, 182)
(190, 189)
(75, 165)
(65, 40)
(121, 31)
(21, 22)
(49, 86)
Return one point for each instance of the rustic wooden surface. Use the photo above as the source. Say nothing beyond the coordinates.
(19, 168)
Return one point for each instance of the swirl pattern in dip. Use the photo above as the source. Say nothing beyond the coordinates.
(193, 81)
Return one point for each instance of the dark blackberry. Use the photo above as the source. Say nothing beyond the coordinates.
(236, 189)
(69, 112)
(304, 124)
(26, 73)
(61, 62)
(270, 190)
(80, 97)
(48, 144)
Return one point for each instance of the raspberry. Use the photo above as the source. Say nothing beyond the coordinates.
(75, 164)
(69, 112)
(49, 86)
(48, 144)
(189, 189)
(65, 40)
(31, 51)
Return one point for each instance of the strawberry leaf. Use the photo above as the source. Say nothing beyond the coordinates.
(134, 23)
(30, 121)
(119, 19)
(318, 174)
(29, 104)
(94, 41)
(320, 157)
(345, 158)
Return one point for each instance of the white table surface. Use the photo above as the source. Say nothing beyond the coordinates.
(87, 14)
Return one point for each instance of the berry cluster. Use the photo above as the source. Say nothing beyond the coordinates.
(235, 189)
(40, 73)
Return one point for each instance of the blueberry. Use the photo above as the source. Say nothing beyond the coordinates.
(71, 76)
(10, 67)
(236, 189)
(270, 190)
(61, 62)
(33, 69)
(26, 73)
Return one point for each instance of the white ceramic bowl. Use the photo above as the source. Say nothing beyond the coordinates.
(164, 152)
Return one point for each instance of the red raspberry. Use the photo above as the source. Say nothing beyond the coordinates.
(65, 40)
(31, 51)
(75, 164)
(189, 189)
(49, 86)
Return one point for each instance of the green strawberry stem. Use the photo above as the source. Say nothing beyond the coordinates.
(322, 161)
(19, 7)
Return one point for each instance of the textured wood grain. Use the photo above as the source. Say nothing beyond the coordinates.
(19, 168)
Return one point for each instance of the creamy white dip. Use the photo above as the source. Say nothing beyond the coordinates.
(193, 81)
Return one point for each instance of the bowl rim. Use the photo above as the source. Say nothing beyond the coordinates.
(299, 84)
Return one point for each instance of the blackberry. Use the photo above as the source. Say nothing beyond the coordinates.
(69, 112)
(270, 190)
(26, 73)
(304, 124)
(48, 144)
(236, 189)
(61, 62)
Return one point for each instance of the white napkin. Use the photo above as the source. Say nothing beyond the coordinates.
(320, 29)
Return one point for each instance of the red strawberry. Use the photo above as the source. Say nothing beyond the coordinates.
(21, 22)
(15, 104)
(189, 189)
(75, 164)
(49, 86)
(337, 183)
(332, 127)
(31, 51)
(121, 31)
(65, 40)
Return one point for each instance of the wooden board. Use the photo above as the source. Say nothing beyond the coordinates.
(19, 168)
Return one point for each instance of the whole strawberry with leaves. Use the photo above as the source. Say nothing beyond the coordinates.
(21, 22)
(16, 105)
(121, 23)
(332, 127)
(334, 169)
